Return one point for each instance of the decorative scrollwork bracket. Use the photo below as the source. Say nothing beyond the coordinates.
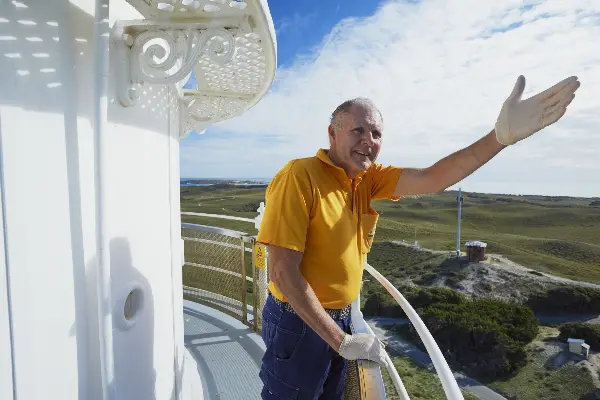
(163, 54)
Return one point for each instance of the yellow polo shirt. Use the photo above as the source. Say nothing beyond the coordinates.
(309, 209)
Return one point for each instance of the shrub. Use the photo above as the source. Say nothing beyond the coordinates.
(486, 338)
(581, 330)
(382, 304)
(567, 299)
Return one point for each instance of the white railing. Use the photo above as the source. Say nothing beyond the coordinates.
(439, 362)
(218, 216)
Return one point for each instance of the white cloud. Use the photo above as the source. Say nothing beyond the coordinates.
(439, 71)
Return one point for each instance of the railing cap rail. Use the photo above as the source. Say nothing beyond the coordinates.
(214, 229)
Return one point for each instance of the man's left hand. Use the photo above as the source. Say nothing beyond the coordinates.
(520, 119)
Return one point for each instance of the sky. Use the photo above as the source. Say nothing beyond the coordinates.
(439, 70)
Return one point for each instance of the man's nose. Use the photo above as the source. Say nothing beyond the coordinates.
(367, 139)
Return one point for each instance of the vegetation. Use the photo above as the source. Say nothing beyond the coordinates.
(380, 304)
(534, 381)
(420, 383)
(567, 299)
(540, 379)
(581, 330)
(484, 338)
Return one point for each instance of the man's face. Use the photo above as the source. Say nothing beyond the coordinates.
(356, 139)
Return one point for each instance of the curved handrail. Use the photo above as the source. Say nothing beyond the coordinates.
(439, 362)
(222, 216)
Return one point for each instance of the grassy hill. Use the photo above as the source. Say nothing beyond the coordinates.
(557, 235)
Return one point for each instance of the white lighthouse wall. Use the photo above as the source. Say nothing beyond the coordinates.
(6, 389)
(47, 156)
(44, 119)
(142, 161)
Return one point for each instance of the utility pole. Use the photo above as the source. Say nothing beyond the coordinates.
(459, 200)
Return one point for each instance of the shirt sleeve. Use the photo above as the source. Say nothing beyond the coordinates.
(286, 218)
(383, 182)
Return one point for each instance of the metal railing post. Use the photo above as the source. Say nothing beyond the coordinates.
(254, 289)
(261, 281)
(243, 272)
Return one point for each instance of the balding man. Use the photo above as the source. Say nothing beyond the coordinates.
(319, 226)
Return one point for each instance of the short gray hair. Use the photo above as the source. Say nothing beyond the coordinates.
(347, 105)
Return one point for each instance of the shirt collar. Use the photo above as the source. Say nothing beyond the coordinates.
(322, 155)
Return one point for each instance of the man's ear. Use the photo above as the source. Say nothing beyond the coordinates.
(331, 131)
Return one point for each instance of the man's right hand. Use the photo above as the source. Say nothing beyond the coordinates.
(363, 346)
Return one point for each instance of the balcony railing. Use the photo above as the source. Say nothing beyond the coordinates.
(221, 271)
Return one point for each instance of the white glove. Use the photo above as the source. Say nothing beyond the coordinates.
(363, 346)
(520, 119)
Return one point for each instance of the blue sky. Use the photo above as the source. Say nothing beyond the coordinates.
(439, 71)
(302, 25)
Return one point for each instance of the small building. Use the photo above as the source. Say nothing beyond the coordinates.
(579, 346)
(475, 250)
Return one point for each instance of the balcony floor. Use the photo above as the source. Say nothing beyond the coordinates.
(227, 352)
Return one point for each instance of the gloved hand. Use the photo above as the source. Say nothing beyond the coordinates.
(520, 119)
(363, 346)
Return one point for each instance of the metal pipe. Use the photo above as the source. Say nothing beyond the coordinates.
(214, 229)
(255, 310)
(243, 282)
(459, 200)
(100, 117)
(218, 216)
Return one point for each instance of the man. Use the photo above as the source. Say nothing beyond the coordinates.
(319, 226)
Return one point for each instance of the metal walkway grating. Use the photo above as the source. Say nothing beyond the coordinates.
(228, 353)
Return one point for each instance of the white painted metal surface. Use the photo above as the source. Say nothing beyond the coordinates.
(231, 217)
(229, 46)
(91, 201)
(6, 342)
(45, 116)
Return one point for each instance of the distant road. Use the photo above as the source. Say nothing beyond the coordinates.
(398, 344)
(561, 319)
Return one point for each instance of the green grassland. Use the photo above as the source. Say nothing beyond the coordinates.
(557, 235)
(420, 383)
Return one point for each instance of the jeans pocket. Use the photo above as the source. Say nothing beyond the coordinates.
(275, 388)
(288, 336)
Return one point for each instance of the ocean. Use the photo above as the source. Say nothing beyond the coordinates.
(215, 181)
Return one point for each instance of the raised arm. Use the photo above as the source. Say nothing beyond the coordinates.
(517, 121)
(450, 169)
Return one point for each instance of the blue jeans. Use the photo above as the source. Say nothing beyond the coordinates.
(298, 364)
